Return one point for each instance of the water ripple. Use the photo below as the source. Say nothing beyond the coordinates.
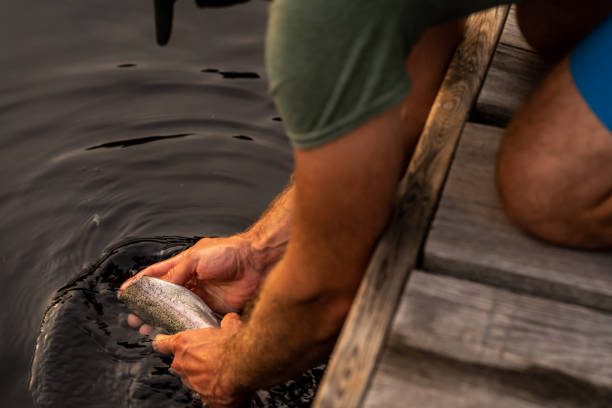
(81, 80)
(137, 141)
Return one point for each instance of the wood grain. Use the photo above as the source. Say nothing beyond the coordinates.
(512, 35)
(516, 70)
(460, 344)
(359, 344)
(483, 325)
(513, 75)
(472, 238)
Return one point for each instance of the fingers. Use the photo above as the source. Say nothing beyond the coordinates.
(168, 344)
(161, 268)
(164, 343)
(156, 270)
(231, 321)
(134, 321)
(181, 271)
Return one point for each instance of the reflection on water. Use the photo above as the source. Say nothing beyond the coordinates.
(107, 136)
(87, 355)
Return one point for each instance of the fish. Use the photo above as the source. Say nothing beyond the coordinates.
(168, 306)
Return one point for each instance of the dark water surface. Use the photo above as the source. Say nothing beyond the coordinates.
(87, 356)
(105, 136)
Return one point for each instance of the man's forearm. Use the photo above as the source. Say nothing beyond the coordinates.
(268, 237)
(339, 213)
(286, 331)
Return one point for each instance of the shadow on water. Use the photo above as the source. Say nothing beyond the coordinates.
(87, 355)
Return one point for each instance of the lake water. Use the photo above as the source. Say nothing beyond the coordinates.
(108, 137)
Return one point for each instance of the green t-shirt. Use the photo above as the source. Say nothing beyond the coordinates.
(334, 64)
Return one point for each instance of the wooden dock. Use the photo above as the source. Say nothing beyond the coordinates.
(459, 308)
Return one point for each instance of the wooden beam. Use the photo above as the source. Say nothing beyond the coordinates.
(365, 329)
(471, 237)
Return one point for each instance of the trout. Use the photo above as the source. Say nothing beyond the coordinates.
(167, 305)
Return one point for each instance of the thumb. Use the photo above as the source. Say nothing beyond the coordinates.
(181, 271)
(164, 343)
(156, 270)
(230, 321)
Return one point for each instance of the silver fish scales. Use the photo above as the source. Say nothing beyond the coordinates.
(167, 305)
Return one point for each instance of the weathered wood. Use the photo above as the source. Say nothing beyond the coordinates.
(456, 343)
(479, 324)
(516, 70)
(471, 237)
(512, 33)
(359, 345)
(412, 378)
(513, 75)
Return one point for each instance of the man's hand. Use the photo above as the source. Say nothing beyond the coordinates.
(199, 359)
(224, 272)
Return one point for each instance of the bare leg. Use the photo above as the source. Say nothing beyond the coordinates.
(426, 66)
(555, 27)
(555, 167)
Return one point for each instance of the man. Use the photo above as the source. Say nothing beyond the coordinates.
(339, 73)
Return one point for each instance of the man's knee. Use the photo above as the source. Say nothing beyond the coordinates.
(521, 184)
(530, 194)
(555, 27)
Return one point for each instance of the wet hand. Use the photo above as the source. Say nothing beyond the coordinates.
(199, 361)
(222, 271)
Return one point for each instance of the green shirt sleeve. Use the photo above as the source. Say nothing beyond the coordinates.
(334, 64)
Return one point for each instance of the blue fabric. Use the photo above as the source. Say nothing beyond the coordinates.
(591, 68)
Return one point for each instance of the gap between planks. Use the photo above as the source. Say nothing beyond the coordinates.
(516, 70)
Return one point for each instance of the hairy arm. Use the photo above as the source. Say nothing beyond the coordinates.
(269, 236)
(343, 196)
(227, 271)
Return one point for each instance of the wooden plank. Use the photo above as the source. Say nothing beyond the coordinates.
(471, 237)
(359, 344)
(513, 75)
(412, 378)
(516, 70)
(480, 324)
(435, 383)
(512, 33)
(460, 344)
